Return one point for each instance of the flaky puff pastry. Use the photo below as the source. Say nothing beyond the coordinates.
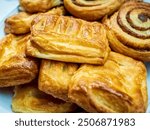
(92, 9)
(29, 99)
(128, 30)
(54, 78)
(15, 67)
(118, 86)
(68, 39)
(20, 23)
(34, 6)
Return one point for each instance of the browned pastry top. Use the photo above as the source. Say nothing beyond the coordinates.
(118, 86)
(70, 37)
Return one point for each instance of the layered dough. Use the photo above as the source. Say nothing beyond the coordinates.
(15, 67)
(54, 78)
(128, 30)
(34, 6)
(68, 39)
(118, 86)
(20, 23)
(92, 9)
(29, 99)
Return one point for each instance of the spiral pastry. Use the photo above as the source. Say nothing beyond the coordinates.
(128, 30)
(92, 9)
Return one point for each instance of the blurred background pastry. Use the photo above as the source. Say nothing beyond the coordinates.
(128, 30)
(28, 98)
(35, 6)
(92, 9)
(20, 23)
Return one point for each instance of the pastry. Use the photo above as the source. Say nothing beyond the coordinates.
(54, 78)
(34, 6)
(15, 67)
(29, 99)
(92, 9)
(128, 30)
(20, 23)
(68, 39)
(118, 86)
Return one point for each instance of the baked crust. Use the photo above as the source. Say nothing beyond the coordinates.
(20, 23)
(54, 78)
(128, 30)
(92, 9)
(118, 86)
(68, 39)
(15, 67)
(34, 6)
(29, 99)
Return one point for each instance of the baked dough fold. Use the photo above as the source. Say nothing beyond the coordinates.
(118, 86)
(20, 23)
(92, 9)
(54, 78)
(15, 67)
(68, 39)
(128, 30)
(34, 6)
(29, 99)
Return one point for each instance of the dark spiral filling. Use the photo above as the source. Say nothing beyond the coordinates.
(143, 17)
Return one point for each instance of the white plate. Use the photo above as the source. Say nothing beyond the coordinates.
(6, 93)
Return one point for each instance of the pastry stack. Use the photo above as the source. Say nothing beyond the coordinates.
(63, 55)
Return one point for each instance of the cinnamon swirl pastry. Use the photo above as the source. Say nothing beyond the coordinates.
(15, 67)
(34, 6)
(28, 98)
(92, 9)
(117, 86)
(20, 23)
(54, 78)
(68, 39)
(128, 30)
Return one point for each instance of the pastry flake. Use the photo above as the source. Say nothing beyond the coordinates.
(15, 67)
(118, 86)
(68, 39)
(54, 78)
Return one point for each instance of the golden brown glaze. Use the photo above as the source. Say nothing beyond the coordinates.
(15, 68)
(34, 6)
(118, 86)
(20, 23)
(68, 39)
(54, 78)
(92, 9)
(29, 99)
(128, 30)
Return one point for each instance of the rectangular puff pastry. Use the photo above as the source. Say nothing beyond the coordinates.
(118, 86)
(29, 99)
(15, 67)
(68, 39)
(54, 78)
